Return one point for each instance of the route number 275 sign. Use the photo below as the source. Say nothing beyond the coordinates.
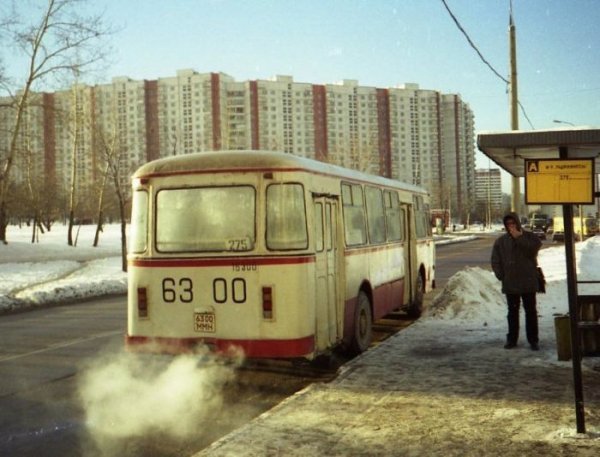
(559, 181)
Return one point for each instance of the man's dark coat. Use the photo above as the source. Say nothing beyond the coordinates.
(514, 260)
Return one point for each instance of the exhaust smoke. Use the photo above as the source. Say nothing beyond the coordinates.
(127, 395)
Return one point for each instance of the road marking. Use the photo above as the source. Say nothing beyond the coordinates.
(61, 345)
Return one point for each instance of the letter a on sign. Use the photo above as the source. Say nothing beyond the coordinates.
(532, 166)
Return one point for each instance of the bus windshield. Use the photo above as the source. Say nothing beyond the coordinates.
(206, 219)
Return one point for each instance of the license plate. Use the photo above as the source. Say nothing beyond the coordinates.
(205, 322)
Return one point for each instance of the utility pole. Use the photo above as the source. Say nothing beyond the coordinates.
(514, 105)
(488, 215)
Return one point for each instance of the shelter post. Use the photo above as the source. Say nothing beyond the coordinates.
(573, 307)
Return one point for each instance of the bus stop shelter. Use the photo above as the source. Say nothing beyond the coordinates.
(570, 158)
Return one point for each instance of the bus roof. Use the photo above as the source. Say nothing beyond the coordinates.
(252, 160)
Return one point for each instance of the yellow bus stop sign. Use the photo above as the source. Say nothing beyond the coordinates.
(559, 181)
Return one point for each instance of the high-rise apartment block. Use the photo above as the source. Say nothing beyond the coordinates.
(488, 189)
(406, 133)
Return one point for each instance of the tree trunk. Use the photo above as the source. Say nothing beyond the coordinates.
(73, 167)
(3, 223)
(37, 228)
(124, 245)
(101, 204)
(98, 228)
(34, 231)
(70, 229)
(123, 232)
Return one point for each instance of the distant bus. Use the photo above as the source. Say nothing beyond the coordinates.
(274, 254)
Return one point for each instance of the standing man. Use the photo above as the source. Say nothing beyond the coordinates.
(514, 261)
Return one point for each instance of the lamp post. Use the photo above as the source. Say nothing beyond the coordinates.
(514, 105)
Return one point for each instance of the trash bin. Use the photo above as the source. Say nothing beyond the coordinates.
(562, 328)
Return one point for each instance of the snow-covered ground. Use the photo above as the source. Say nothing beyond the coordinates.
(50, 271)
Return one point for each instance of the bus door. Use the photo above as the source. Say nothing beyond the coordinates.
(410, 252)
(328, 315)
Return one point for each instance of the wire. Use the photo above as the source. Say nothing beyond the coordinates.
(483, 59)
(525, 114)
(473, 44)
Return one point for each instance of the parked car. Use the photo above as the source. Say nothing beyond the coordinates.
(560, 236)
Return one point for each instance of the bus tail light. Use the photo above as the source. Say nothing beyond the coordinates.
(267, 302)
(142, 302)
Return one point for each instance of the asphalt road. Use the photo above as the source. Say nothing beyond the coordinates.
(454, 257)
(41, 352)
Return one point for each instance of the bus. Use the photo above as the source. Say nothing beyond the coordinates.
(272, 254)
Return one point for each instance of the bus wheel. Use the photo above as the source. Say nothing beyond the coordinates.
(363, 324)
(416, 308)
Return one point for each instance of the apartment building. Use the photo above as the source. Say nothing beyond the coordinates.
(405, 132)
(31, 141)
(488, 190)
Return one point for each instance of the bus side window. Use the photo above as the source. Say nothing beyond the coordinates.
(354, 215)
(329, 236)
(286, 217)
(318, 227)
(375, 215)
(403, 224)
(393, 217)
(421, 223)
(427, 218)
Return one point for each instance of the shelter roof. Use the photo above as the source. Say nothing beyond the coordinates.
(510, 149)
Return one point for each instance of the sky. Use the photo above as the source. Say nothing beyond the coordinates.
(470, 311)
(379, 43)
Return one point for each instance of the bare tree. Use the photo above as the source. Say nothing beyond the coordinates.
(100, 210)
(33, 196)
(112, 149)
(74, 149)
(106, 143)
(58, 41)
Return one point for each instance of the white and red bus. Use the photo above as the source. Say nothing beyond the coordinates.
(275, 254)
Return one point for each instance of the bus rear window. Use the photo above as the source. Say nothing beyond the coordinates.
(206, 219)
(286, 217)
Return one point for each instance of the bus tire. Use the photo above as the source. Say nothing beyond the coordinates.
(363, 324)
(416, 307)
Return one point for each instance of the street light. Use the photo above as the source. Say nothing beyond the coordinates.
(556, 121)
